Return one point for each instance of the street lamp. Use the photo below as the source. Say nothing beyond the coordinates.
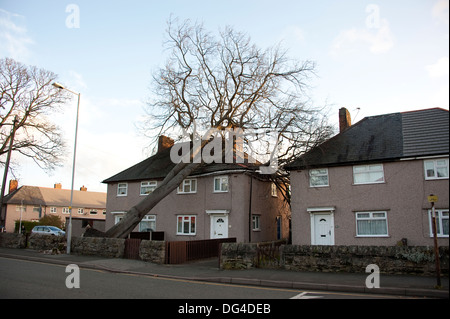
(69, 228)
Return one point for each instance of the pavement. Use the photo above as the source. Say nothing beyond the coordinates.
(208, 270)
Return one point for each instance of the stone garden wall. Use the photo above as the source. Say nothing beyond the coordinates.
(389, 259)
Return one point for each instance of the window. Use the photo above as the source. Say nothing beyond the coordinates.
(318, 177)
(441, 222)
(273, 190)
(21, 208)
(186, 225)
(188, 186)
(221, 184)
(256, 222)
(53, 210)
(122, 189)
(66, 210)
(371, 224)
(118, 218)
(148, 187)
(368, 174)
(148, 223)
(93, 212)
(80, 211)
(436, 169)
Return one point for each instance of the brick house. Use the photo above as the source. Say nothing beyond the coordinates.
(216, 201)
(369, 184)
(32, 202)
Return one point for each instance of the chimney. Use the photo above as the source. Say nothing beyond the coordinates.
(57, 186)
(13, 185)
(83, 189)
(345, 120)
(164, 142)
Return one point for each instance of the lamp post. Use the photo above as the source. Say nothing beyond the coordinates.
(69, 228)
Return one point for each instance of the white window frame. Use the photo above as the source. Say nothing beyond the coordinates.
(318, 172)
(123, 187)
(148, 187)
(256, 222)
(370, 218)
(441, 163)
(118, 216)
(222, 183)
(273, 190)
(80, 211)
(147, 218)
(53, 210)
(66, 210)
(439, 218)
(93, 212)
(359, 170)
(189, 182)
(186, 220)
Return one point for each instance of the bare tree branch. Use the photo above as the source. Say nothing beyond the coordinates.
(27, 92)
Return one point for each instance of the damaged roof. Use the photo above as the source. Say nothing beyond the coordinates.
(160, 164)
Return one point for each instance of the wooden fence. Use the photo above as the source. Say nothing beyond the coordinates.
(178, 252)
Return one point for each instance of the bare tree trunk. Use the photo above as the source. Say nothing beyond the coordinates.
(136, 213)
(178, 173)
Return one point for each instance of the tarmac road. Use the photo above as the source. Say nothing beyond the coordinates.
(22, 279)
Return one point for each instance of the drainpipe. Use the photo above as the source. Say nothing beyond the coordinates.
(250, 211)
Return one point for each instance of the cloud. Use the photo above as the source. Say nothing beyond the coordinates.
(439, 69)
(13, 36)
(378, 40)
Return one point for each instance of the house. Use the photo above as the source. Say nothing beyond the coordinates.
(217, 200)
(30, 203)
(369, 184)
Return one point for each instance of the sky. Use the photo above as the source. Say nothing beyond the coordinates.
(372, 57)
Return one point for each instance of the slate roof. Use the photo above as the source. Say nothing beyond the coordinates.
(34, 195)
(160, 164)
(383, 138)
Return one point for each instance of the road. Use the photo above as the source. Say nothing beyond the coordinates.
(23, 279)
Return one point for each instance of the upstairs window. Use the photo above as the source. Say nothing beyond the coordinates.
(368, 174)
(221, 184)
(148, 187)
(188, 186)
(436, 169)
(318, 177)
(122, 189)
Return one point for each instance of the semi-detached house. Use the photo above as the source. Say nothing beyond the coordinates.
(218, 200)
(369, 184)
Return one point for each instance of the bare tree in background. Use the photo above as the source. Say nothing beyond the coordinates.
(27, 95)
(221, 83)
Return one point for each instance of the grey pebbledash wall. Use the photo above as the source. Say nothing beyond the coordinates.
(390, 259)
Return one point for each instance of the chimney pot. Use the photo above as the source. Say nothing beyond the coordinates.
(83, 189)
(57, 186)
(13, 185)
(164, 142)
(345, 120)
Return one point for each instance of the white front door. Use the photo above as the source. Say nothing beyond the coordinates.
(219, 226)
(322, 227)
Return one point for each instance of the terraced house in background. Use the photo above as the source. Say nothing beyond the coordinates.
(369, 184)
(218, 200)
(30, 203)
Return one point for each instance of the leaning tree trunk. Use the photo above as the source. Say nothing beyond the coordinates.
(133, 217)
(178, 173)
